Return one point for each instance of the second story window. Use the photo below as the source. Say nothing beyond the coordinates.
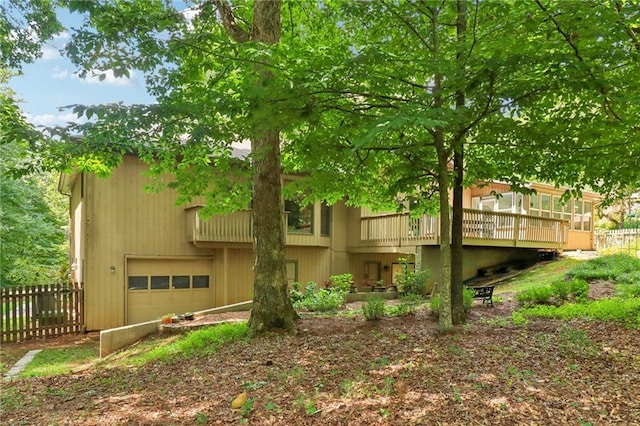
(325, 219)
(299, 216)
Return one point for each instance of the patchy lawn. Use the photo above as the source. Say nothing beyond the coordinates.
(344, 370)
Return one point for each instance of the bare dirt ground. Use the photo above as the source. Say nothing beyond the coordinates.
(347, 371)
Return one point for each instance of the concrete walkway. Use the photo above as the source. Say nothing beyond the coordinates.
(20, 365)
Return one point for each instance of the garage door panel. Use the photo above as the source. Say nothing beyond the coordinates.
(172, 286)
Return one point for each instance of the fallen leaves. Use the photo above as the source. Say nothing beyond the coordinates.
(338, 372)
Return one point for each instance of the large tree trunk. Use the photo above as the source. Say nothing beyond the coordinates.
(445, 321)
(457, 306)
(443, 288)
(272, 308)
(458, 170)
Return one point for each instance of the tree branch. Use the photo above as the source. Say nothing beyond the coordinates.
(230, 23)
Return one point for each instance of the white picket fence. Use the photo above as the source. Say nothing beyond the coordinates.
(618, 238)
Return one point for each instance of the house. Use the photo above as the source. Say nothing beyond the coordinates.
(141, 256)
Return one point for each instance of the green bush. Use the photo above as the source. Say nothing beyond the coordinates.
(434, 304)
(561, 290)
(626, 311)
(342, 282)
(318, 300)
(576, 289)
(579, 289)
(408, 305)
(410, 281)
(296, 293)
(535, 296)
(374, 308)
(612, 267)
(467, 298)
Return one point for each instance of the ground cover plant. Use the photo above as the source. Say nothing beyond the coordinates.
(337, 369)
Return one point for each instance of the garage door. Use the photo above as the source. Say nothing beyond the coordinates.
(158, 287)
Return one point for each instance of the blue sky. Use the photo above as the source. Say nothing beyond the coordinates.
(51, 82)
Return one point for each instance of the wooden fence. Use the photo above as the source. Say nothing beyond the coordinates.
(37, 311)
(628, 239)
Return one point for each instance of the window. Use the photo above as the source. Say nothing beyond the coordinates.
(582, 215)
(201, 281)
(299, 216)
(138, 283)
(292, 271)
(166, 282)
(505, 202)
(534, 204)
(372, 270)
(545, 205)
(560, 210)
(160, 282)
(181, 281)
(325, 219)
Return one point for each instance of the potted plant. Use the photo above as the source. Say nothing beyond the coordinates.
(167, 318)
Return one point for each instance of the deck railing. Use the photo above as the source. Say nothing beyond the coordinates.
(478, 228)
(237, 227)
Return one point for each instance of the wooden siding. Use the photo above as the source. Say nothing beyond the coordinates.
(122, 219)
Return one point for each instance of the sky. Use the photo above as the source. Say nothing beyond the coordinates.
(51, 82)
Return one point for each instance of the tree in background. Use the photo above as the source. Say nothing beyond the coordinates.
(33, 233)
(33, 229)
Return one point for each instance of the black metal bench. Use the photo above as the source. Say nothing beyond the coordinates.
(483, 292)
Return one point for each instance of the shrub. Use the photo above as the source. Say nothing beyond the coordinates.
(319, 300)
(467, 298)
(408, 305)
(374, 308)
(612, 267)
(342, 282)
(435, 305)
(296, 293)
(535, 296)
(561, 290)
(410, 281)
(579, 289)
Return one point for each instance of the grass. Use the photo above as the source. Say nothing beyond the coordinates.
(55, 361)
(616, 267)
(205, 341)
(625, 311)
(538, 276)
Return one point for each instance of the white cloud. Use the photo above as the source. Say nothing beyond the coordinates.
(59, 73)
(49, 53)
(94, 78)
(49, 120)
(51, 49)
(42, 119)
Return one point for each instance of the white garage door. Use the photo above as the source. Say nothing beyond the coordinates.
(158, 287)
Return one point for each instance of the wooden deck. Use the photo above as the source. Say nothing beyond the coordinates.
(480, 228)
(398, 232)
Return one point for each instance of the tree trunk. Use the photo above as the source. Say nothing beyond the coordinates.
(445, 321)
(444, 283)
(272, 308)
(458, 170)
